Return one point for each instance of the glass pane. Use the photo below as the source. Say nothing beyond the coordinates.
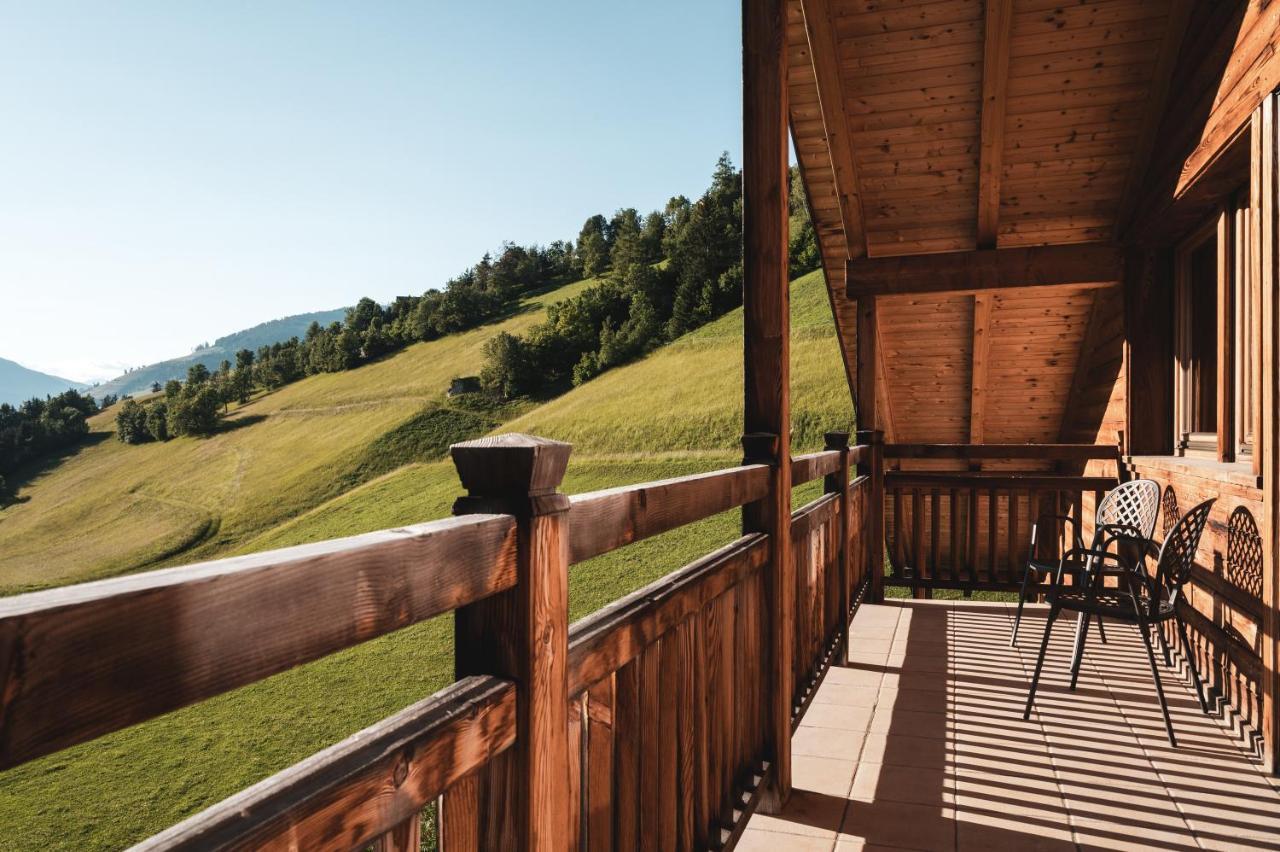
(1203, 304)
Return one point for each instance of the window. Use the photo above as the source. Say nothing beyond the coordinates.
(1215, 379)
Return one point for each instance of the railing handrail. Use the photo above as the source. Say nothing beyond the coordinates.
(90, 659)
(336, 798)
(601, 521)
(997, 479)
(86, 660)
(1045, 452)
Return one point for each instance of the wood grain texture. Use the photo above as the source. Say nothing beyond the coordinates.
(808, 467)
(365, 786)
(611, 637)
(978, 374)
(601, 521)
(998, 24)
(985, 269)
(522, 633)
(1052, 452)
(766, 344)
(90, 659)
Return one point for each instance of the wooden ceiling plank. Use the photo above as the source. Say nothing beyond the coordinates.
(1081, 265)
(821, 31)
(995, 87)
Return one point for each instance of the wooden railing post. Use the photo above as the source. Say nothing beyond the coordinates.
(838, 483)
(521, 634)
(772, 515)
(873, 468)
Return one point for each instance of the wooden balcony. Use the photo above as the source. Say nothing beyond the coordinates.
(917, 742)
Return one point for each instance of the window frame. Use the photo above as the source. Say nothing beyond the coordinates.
(1237, 336)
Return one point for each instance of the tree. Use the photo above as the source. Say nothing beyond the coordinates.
(155, 387)
(194, 412)
(157, 420)
(197, 374)
(593, 249)
(131, 423)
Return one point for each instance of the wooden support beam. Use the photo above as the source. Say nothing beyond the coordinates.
(995, 78)
(820, 28)
(1148, 352)
(868, 362)
(884, 405)
(767, 357)
(523, 633)
(1267, 441)
(982, 307)
(1083, 265)
(1153, 110)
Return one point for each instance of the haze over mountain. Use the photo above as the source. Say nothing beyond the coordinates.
(18, 383)
(224, 348)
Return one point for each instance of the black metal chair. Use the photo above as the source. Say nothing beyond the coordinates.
(1138, 598)
(1134, 504)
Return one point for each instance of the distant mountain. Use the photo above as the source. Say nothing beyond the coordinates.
(224, 348)
(18, 383)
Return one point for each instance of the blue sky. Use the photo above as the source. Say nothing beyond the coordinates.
(171, 172)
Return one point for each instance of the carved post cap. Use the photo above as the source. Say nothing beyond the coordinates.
(870, 436)
(759, 448)
(836, 440)
(511, 473)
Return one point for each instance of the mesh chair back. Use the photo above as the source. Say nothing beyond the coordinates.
(1178, 553)
(1134, 504)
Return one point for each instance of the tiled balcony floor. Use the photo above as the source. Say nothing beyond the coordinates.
(919, 743)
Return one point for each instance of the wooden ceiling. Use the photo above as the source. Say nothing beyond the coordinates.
(926, 126)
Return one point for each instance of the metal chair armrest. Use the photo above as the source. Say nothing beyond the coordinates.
(1076, 538)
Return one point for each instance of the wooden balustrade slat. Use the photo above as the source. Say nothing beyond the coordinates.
(1015, 569)
(605, 640)
(599, 763)
(810, 466)
(406, 837)
(365, 786)
(651, 734)
(917, 533)
(993, 529)
(90, 659)
(670, 676)
(1039, 452)
(601, 521)
(935, 524)
(953, 573)
(973, 535)
(627, 749)
(577, 731)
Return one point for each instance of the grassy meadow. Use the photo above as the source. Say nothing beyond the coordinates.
(329, 457)
(111, 508)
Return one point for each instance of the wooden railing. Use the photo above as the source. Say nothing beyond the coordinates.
(970, 528)
(642, 725)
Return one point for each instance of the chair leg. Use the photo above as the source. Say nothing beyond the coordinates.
(1191, 664)
(1044, 646)
(1164, 645)
(1022, 600)
(1155, 674)
(1102, 634)
(1077, 653)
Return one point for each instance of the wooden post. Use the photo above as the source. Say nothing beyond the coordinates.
(838, 483)
(1267, 441)
(522, 634)
(767, 357)
(874, 531)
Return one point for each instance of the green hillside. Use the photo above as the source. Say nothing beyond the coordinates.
(111, 508)
(677, 411)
